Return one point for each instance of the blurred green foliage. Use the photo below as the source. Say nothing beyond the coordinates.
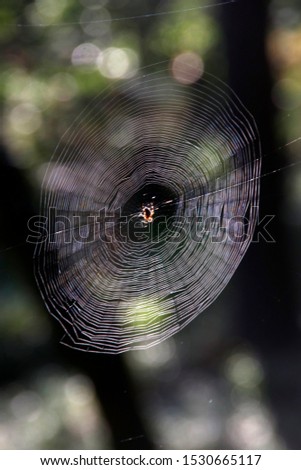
(43, 87)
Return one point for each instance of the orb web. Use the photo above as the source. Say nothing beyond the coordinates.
(151, 201)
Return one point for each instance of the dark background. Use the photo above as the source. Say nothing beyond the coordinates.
(230, 379)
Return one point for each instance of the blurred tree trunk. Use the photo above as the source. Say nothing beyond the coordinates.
(265, 294)
(266, 308)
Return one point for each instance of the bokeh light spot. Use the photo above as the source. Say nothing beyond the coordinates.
(187, 68)
(79, 390)
(26, 405)
(251, 427)
(118, 63)
(51, 8)
(244, 370)
(96, 22)
(85, 54)
(25, 118)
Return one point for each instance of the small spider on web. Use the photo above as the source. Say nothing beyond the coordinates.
(148, 211)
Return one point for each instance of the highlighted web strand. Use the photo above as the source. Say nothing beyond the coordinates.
(129, 18)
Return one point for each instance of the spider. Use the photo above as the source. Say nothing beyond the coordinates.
(147, 212)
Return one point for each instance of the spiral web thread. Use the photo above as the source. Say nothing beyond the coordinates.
(192, 151)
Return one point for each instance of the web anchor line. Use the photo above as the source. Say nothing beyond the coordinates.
(127, 18)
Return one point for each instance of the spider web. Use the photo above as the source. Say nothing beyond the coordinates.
(114, 282)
